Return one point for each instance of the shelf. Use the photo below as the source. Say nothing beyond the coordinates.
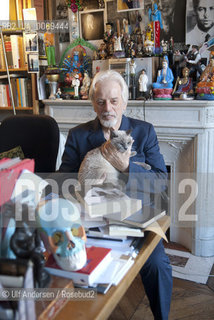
(17, 108)
(14, 69)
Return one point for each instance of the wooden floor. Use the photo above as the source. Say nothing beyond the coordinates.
(190, 301)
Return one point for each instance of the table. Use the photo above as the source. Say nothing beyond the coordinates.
(103, 305)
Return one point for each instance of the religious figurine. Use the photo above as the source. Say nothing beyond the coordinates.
(143, 81)
(183, 89)
(58, 94)
(205, 87)
(162, 88)
(76, 84)
(85, 86)
(155, 17)
(109, 40)
(102, 53)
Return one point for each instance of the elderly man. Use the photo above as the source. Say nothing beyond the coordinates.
(109, 96)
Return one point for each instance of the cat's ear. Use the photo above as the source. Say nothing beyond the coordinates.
(113, 133)
(128, 132)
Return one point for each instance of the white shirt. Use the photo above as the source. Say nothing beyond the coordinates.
(197, 37)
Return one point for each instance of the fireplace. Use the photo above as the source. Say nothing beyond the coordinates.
(185, 131)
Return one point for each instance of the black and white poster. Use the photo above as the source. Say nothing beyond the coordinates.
(199, 21)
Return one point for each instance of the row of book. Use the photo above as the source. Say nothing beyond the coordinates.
(22, 93)
(15, 53)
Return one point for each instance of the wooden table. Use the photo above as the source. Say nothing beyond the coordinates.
(101, 307)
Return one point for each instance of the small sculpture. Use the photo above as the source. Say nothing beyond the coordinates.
(76, 84)
(205, 87)
(85, 86)
(25, 243)
(49, 42)
(58, 94)
(183, 89)
(143, 81)
(155, 17)
(62, 233)
(193, 59)
(162, 89)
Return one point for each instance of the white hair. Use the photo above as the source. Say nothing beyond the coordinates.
(112, 75)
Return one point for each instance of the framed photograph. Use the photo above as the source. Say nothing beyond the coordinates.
(127, 5)
(31, 42)
(92, 5)
(33, 62)
(92, 24)
(199, 22)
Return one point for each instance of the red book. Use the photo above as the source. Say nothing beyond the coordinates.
(10, 174)
(97, 260)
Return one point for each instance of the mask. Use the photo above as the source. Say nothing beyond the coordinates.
(62, 233)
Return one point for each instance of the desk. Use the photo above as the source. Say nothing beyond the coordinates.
(103, 305)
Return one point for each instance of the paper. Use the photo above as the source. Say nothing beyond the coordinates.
(98, 195)
(155, 227)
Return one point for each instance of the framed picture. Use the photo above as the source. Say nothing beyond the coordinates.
(92, 24)
(93, 4)
(199, 22)
(33, 62)
(127, 5)
(31, 42)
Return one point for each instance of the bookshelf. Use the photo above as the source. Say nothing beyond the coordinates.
(18, 87)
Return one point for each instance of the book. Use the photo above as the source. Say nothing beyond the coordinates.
(116, 207)
(8, 50)
(15, 51)
(10, 174)
(118, 230)
(142, 218)
(97, 259)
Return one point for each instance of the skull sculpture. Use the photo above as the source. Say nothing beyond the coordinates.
(62, 233)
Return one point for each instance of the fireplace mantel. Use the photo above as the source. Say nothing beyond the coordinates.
(185, 130)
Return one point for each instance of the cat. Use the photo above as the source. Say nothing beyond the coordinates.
(96, 168)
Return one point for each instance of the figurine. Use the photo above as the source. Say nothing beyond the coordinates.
(162, 89)
(102, 53)
(109, 40)
(193, 62)
(76, 84)
(143, 81)
(58, 94)
(155, 17)
(205, 87)
(26, 244)
(85, 86)
(183, 89)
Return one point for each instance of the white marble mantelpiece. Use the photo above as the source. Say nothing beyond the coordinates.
(185, 130)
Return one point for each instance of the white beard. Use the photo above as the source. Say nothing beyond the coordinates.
(108, 123)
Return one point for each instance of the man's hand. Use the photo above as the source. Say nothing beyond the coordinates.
(117, 159)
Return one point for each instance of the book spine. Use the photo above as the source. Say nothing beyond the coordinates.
(8, 95)
(21, 52)
(18, 93)
(23, 91)
(2, 60)
(20, 90)
(15, 51)
(4, 96)
(14, 90)
(1, 98)
(8, 49)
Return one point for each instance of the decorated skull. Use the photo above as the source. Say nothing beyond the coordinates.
(62, 233)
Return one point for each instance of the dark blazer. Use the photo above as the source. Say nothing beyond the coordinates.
(87, 136)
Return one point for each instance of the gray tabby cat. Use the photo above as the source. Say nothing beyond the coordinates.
(96, 168)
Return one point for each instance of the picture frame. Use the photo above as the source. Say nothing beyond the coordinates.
(33, 62)
(130, 5)
(92, 24)
(31, 42)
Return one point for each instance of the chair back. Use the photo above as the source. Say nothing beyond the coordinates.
(38, 136)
